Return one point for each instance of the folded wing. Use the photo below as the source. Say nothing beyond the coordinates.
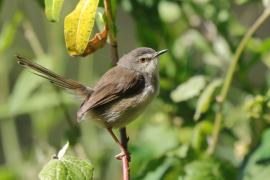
(117, 83)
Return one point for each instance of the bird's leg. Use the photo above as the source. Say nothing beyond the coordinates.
(124, 152)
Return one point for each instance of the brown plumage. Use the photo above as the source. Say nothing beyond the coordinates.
(117, 83)
(120, 95)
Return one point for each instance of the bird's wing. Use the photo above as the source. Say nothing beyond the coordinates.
(117, 83)
(74, 86)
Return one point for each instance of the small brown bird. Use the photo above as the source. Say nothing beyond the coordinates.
(120, 95)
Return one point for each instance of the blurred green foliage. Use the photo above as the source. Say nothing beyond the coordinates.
(165, 142)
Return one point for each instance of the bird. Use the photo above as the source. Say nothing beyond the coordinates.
(119, 96)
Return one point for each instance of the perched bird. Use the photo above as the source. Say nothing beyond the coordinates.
(119, 96)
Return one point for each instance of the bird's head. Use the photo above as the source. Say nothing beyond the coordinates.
(143, 60)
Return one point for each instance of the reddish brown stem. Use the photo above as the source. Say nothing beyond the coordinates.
(125, 168)
(112, 33)
(125, 161)
(114, 53)
(123, 137)
(123, 156)
(115, 57)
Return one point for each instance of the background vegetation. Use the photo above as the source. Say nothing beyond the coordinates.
(173, 139)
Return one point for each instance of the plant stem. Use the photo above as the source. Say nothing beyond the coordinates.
(229, 77)
(32, 39)
(112, 33)
(115, 57)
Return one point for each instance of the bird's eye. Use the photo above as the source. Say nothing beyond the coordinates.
(142, 60)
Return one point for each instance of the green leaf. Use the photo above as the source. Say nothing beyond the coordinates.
(206, 97)
(66, 167)
(53, 9)
(188, 89)
(78, 26)
(8, 31)
(257, 166)
(203, 169)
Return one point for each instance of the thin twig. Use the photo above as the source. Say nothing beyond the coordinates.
(229, 77)
(112, 32)
(115, 57)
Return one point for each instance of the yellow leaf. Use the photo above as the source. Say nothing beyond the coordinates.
(78, 26)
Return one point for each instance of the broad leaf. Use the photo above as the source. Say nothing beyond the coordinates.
(53, 9)
(99, 40)
(188, 89)
(66, 167)
(205, 98)
(78, 26)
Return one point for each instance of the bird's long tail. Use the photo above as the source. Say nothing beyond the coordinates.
(54, 78)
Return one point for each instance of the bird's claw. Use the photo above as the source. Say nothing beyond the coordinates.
(122, 155)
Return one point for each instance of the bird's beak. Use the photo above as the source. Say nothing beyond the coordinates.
(160, 53)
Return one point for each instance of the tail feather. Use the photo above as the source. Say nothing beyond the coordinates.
(54, 78)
